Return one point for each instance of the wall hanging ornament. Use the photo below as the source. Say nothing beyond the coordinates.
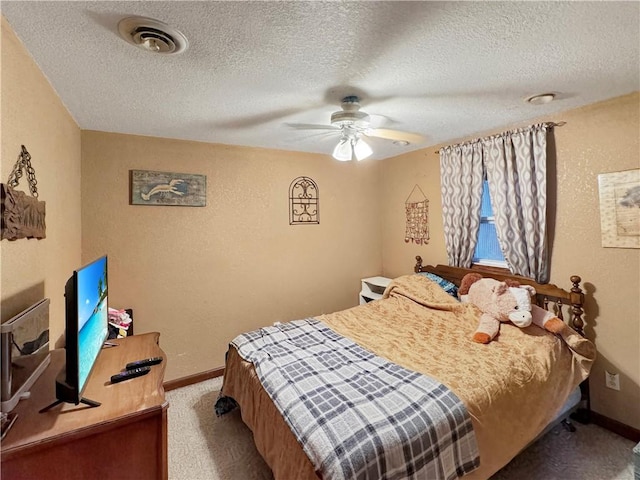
(22, 215)
(417, 208)
(304, 202)
(150, 187)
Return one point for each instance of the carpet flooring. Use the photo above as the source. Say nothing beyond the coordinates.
(203, 446)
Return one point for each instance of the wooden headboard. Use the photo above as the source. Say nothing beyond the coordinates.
(548, 296)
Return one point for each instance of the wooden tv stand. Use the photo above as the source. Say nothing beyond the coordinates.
(124, 438)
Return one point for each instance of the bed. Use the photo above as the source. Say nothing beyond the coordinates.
(510, 390)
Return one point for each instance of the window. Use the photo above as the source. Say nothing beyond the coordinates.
(488, 251)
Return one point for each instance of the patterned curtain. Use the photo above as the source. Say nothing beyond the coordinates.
(461, 174)
(516, 166)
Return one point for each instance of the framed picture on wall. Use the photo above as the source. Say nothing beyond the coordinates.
(620, 208)
(166, 188)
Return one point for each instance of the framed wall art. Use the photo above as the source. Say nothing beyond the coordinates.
(620, 208)
(166, 188)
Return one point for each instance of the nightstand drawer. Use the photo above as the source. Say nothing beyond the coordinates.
(372, 288)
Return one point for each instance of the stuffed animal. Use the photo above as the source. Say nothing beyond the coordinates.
(504, 302)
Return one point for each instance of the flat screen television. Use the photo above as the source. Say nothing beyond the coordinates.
(86, 330)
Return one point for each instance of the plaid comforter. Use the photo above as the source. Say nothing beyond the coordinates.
(356, 415)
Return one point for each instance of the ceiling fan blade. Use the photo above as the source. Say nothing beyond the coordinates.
(312, 126)
(412, 138)
(317, 134)
(256, 120)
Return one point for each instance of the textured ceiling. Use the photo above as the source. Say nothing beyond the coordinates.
(446, 70)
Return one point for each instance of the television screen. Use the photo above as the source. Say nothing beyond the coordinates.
(86, 329)
(91, 305)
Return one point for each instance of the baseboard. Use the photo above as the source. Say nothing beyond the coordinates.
(615, 426)
(191, 379)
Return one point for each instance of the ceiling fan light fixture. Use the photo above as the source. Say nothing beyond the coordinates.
(353, 125)
(361, 149)
(350, 147)
(343, 150)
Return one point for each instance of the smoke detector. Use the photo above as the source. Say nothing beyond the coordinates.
(152, 35)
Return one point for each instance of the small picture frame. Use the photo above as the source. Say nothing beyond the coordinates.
(149, 187)
(620, 208)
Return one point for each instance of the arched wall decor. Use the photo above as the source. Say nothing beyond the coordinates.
(304, 202)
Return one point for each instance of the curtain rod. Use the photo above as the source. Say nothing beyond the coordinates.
(548, 124)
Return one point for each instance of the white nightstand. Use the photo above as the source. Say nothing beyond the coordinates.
(373, 288)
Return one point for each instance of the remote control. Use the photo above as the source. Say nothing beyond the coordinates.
(143, 363)
(127, 374)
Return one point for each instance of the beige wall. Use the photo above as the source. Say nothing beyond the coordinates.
(32, 114)
(201, 275)
(596, 139)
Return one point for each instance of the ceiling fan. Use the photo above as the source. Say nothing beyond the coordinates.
(352, 125)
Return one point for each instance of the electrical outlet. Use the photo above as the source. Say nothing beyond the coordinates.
(612, 380)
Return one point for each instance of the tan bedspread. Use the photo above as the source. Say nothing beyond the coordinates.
(512, 387)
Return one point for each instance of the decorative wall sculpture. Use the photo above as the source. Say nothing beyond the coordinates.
(417, 210)
(22, 216)
(165, 188)
(304, 202)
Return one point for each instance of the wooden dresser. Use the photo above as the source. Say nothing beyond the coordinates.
(124, 438)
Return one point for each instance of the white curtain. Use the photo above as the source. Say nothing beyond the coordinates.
(461, 173)
(516, 168)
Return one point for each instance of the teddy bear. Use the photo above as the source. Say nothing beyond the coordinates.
(504, 302)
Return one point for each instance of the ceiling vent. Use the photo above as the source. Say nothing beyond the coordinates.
(152, 35)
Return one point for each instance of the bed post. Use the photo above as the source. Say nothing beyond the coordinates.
(418, 266)
(577, 300)
(582, 415)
